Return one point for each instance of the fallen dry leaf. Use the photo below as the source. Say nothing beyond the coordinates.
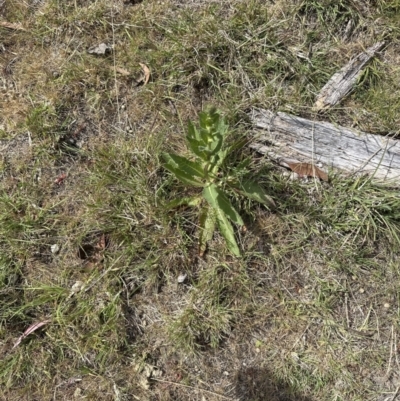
(93, 254)
(308, 170)
(146, 71)
(60, 179)
(101, 245)
(12, 25)
(33, 327)
(122, 71)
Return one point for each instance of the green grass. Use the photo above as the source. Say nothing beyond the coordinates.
(310, 309)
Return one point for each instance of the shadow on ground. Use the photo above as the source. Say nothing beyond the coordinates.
(259, 384)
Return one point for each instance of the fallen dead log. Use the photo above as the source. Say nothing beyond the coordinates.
(288, 139)
(342, 82)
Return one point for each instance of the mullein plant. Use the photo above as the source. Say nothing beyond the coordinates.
(207, 168)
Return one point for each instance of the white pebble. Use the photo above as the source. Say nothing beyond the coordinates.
(55, 248)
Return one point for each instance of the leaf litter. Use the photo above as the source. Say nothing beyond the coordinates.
(308, 170)
(146, 74)
(32, 328)
(12, 25)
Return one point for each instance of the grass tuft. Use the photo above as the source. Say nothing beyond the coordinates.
(309, 312)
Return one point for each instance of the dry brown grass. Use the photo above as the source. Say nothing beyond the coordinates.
(311, 310)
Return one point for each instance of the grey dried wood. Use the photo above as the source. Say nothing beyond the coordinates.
(342, 82)
(289, 139)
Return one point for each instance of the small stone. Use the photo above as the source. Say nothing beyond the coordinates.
(181, 278)
(386, 305)
(102, 48)
(77, 287)
(361, 290)
(55, 248)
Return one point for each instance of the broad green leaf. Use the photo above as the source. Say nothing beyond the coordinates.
(227, 231)
(208, 119)
(222, 127)
(198, 148)
(188, 200)
(212, 124)
(207, 227)
(190, 167)
(217, 161)
(208, 140)
(223, 154)
(254, 191)
(188, 172)
(218, 200)
(209, 151)
(196, 144)
(211, 120)
(215, 144)
(192, 132)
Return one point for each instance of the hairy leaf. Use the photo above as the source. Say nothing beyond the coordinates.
(218, 200)
(207, 227)
(198, 148)
(208, 121)
(193, 132)
(218, 159)
(185, 170)
(215, 144)
(190, 167)
(227, 231)
(212, 130)
(196, 144)
(211, 121)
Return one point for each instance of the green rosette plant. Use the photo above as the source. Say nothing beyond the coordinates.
(207, 169)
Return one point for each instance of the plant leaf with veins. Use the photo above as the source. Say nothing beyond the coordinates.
(218, 200)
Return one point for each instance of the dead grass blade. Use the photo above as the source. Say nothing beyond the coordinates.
(33, 327)
(121, 71)
(12, 25)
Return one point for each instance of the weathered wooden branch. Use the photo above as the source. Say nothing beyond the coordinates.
(289, 139)
(342, 82)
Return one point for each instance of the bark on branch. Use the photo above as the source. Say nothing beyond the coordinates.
(289, 139)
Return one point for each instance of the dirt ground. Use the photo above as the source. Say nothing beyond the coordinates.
(310, 311)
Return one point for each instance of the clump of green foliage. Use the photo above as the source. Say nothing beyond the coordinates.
(208, 168)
